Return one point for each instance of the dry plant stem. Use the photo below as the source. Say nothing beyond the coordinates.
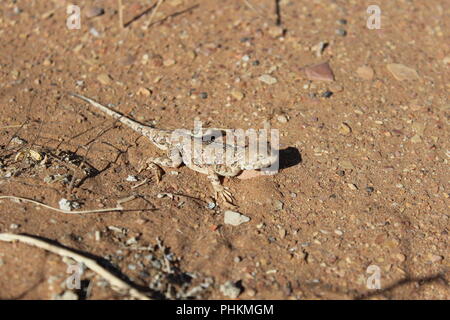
(118, 208)
(120, 14)
(116, 283)
(154, 12)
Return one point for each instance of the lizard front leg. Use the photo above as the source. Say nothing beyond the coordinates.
(173, 159)
(219, 189)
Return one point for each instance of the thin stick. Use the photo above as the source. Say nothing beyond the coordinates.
(154, 12)
(118, 208)
(120, 14)
(116, 283)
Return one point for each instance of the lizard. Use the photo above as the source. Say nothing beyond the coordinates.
(179, 151)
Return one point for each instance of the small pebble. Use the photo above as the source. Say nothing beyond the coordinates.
(67, 295)
(345, 129)
(336, 88)
(94, 12)
(370, 189)
(143, 92)
(234, 218)
(255, 63)
(68, 205)
(230, 290)
(275, 31)
(341, 32)
(433, 258)
(352, 186)
(94, 32)
(278, 205)
(132, 267)
(238, 95)
(327, 94)
(365, 72)
(203, 95)
(104, 79)
(14, 226)
(131, 178)
(282, 119)
(267, 79)
(402, 72)
(320, 72)
(169, 62)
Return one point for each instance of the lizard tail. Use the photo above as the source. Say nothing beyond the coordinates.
(142, 129)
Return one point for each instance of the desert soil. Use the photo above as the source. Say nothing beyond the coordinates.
(364, 178)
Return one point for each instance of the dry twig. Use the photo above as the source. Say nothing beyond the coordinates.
(116, 283)
(118, 208)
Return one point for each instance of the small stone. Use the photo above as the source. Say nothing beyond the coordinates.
(255, 63)
(319, 72)
(68, 205)
(14, 226)
(402, 72)
(230, 290)
(169, 62)
(238, 95)
(203, 95)
(155, 61)
(143, 92)
(92, 12)
(104, 79)
(132, 267)
(211, 205)
(278, 205)
(342, 22)
(352, 186)
(370, 189)
(319, 48)
(234, 218)
(335, 88)
(341, 32)
(276, 31)
(400, 257)
(131, 178)
(433, 258)
(416, 139)
(282, 119)
(327, 94)
(346, 164)
(365, 72)
(67, 295)
(345, 129)
(338, 232)
(267, 79)
(282, 232)
(94, 32)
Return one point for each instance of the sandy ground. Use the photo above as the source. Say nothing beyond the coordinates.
(364, 178)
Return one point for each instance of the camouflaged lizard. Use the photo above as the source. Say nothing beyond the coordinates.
(179, 149)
